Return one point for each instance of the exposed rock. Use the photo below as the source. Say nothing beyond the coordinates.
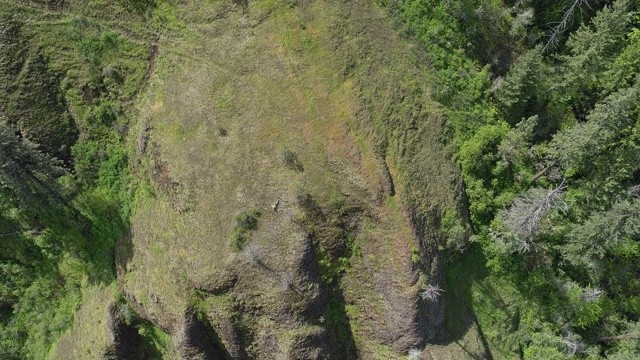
(311, 346)
(125, 341)
(197, 340)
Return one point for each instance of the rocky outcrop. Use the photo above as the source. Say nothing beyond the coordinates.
(196, 339)
(125, 343)
(313, 345)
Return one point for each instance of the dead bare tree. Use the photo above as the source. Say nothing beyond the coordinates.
(253, 255)
(562, 25)
(523, 220)
(431, 293)
(591, 294)
(572, 344)
(414, 354)
(535, 177)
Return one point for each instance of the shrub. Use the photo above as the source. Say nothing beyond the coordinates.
(246, 222)
(290, 160)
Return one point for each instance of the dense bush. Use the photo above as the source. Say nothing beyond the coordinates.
(246, 222)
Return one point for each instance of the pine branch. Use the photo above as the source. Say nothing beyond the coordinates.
(562, 26)
(11, 233)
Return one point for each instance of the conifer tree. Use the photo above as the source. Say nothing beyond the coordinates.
(27, 175)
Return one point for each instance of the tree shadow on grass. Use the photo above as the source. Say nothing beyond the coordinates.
(460, 316)
(338, 325)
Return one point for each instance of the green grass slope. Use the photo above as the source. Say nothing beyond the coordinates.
(69, 72)
(292, 194)
(270, 102)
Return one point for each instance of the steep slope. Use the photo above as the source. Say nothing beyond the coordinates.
(69, 72)
(275, 179)
(317, 116)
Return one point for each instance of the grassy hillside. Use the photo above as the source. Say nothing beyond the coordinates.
(243, 108)
(270, 104)
(70, 72)
(319, 179)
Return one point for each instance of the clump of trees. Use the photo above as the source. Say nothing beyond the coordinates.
(525, 220)
(27, 175)
(546, 132)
